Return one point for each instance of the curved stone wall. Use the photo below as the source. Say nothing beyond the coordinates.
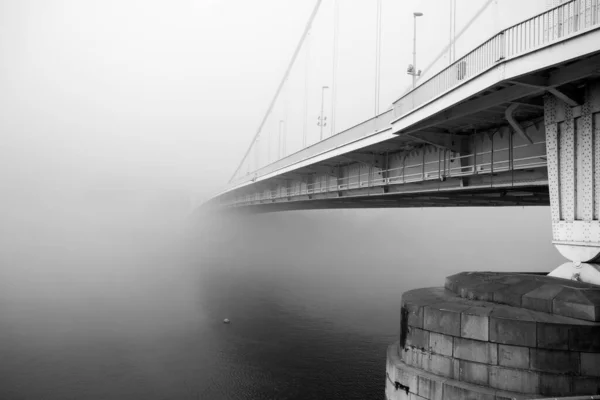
(497, 336)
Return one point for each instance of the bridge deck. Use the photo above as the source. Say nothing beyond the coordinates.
(497, 93)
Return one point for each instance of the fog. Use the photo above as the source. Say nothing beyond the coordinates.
(116, 116)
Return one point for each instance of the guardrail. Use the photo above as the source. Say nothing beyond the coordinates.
(546, 28)
(370, 126)
(552, 26)
(418, 172)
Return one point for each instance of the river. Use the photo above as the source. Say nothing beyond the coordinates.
(121, 306)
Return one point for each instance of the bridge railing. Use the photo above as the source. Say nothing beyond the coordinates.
(556, 24)
(375, 124)
(487, 162)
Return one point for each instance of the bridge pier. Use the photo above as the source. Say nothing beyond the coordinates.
(519, 335)
(497, 336)
(573, 149)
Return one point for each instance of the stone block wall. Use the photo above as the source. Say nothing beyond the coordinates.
(453, 345)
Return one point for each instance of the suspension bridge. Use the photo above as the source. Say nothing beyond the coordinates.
(512, 120)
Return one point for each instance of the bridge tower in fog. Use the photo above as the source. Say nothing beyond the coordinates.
(514, 121)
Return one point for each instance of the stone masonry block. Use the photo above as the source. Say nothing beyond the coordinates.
(555, 385)
(433, 363)
(431, 389)
(511, 331)
(484, 292)
(441, 365)
(552, 336)
(418, 338)
(571, 302)
(583, 385)
(440, 344)
(407, 378)
(585, 338)
(475, 323)
(590, 364)
(513, 356)
(540, 299)
(475, 350)
(557, 361)
(474, 372)
(514, 380)
(513, 293)
(442, 320)
(457, 391)
(415, 314)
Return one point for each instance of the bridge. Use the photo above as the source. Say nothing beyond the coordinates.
(515, 121)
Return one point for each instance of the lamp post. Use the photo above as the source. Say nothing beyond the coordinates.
(322, 120)
(412, 70)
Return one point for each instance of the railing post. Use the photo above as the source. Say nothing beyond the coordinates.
(492, 162)
(475, 153)
(511, 156)
(502, 46)
(439, 164)
(423, 165)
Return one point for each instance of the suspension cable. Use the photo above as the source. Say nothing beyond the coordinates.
(456, 37)
(285, 76)
(378, 57)
(306, 83)
(336, 28)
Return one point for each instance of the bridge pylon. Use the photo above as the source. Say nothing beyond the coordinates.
(573, 148)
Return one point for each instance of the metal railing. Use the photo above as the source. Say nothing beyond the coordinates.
(552, 26)
(556, 24)
(500, 160)
(370, 126)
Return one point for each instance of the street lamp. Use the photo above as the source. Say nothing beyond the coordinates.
(322, 120)
(412, 69)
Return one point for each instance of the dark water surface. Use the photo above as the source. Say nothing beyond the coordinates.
(131, 307)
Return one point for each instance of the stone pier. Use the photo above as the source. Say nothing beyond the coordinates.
(497, 336)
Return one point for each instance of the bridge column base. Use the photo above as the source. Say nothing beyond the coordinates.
(573, 153)
(497, 336)
(578, 271)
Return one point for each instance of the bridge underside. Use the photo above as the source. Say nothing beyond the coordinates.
(482, 142)
(530, 195)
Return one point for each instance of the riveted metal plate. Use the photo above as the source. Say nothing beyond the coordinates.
(566, 150)
(549, 109)
(584, 162)
(553, 178)
(594, 228)
(595, 119)
(587, 232)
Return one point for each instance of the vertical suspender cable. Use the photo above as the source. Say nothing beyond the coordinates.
(286, 96)
(377, 56)
(458, 35)
(287, 72)
(336, 28)
(450, 33)
(306, 81)
(454, 31)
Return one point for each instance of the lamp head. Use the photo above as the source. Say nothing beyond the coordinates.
(418, 14)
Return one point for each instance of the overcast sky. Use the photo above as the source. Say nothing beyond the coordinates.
(126, 93)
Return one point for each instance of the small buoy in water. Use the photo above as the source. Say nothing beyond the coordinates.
(226, 321)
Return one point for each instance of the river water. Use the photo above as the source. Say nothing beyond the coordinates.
(131, 307)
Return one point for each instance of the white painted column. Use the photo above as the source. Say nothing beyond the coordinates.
(573, 150)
